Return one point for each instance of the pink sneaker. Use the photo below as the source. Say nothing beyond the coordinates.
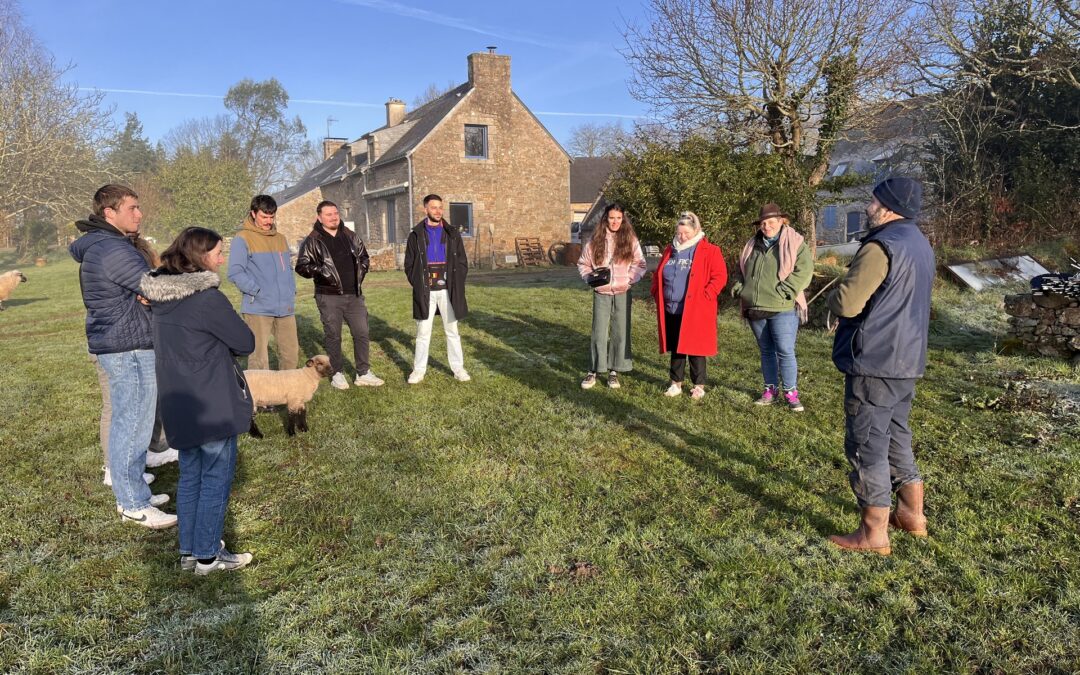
(792, 398)
(768, 397)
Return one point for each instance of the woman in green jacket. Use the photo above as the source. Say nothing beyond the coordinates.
(775, 268)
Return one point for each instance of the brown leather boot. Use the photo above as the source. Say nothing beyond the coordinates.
(872, 535)
(909, 510)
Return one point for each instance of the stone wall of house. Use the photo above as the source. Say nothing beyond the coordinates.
(522, 188)
(295, 218)
(1047, 325)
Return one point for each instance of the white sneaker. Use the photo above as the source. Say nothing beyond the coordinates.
(339, 381)
(415, 377)
(368, 379)
(698, 392)
(149, 517)
(154, 459)
(155, 500)
(462, 376)
(225, 562)
(148, 477)
(674, 390)
(188, 562)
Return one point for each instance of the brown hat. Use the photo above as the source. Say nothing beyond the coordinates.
(770, 210)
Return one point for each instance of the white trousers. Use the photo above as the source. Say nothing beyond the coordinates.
(439, 300)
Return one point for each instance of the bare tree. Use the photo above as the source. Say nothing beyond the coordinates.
(946, 48)
(1001, 78)
(787, 76)
(268, 141)
(432, 92)
(597, 140)
(49, 132)
(203, 133)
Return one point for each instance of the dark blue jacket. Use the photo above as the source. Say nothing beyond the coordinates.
(888, 338)
(110, 269)
(202, 393)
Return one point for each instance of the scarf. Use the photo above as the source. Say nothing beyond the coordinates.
(692, 241)
(790, 241)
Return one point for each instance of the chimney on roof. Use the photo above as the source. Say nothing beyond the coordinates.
(489, 70)
(331, 145)
(395, 112)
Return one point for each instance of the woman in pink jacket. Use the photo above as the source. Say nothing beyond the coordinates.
(614, 246)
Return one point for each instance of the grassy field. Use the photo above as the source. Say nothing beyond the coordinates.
(519, 524)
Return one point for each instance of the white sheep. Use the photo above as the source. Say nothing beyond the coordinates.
(292, 388)
(8, 282)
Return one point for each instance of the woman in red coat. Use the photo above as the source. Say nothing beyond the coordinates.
(686, 285)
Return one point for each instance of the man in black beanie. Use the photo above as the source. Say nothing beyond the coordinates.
(884, 307)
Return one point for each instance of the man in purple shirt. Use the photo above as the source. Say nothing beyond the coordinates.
(436, 266)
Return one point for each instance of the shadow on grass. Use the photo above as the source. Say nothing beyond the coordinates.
(705, 454)
(214, 619)
(559, 277)
(949, 332)
(16, 302)
(398, 345)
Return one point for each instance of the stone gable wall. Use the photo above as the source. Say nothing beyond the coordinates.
(295, 218)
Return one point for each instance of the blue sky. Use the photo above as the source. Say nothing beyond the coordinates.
(337, 58)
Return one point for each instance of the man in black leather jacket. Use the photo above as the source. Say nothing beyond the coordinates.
(337, 260)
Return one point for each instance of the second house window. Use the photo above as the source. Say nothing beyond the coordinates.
(461, 216)
(476, 141)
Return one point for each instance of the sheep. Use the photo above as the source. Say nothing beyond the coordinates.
(8, 282)
(293, 388)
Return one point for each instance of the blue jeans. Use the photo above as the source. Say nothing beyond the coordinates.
(202, 495)
(133, 396)
(776, 342)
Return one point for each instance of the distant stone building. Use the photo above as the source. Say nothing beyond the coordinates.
(891, 145)
(500, 172)
(588, 178)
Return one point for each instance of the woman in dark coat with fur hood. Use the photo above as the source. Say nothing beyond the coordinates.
(204, 400)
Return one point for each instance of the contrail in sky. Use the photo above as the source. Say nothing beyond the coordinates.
(391, 7)
(351, 104)
(145, 92)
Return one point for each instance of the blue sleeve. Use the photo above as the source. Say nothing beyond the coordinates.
(238, 267)
(123, 266)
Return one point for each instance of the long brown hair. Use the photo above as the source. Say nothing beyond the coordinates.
(145, 250)
(187, 252)
(624, 238)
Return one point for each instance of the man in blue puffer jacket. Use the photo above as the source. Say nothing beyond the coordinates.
(118, 333)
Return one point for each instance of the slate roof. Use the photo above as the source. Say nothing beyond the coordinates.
(423, 120)
(333, 168)
(588, 175)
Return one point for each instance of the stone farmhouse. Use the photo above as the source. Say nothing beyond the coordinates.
(500, 172)
(588, 178)
(891, 144)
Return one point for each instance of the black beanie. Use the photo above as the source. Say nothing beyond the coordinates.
(900, 195)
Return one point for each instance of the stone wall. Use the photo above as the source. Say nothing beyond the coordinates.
(295, 218)
(1047, 325)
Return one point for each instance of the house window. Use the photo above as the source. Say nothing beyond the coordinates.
(461, 216)
(828, 217)
(391, 220)
(476, 142)
(854, 225)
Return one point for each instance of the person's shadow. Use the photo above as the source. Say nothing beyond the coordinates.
(722, 454)
(236, 642)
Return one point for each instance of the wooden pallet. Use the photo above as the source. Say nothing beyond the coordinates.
(529, 251)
